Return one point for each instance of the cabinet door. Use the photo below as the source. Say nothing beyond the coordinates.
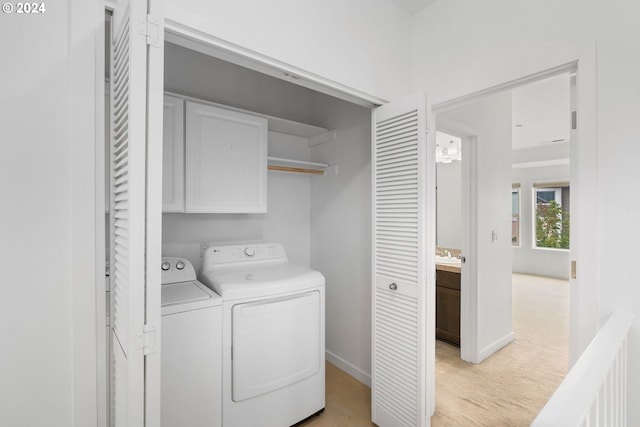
(173, 155)
(226, 161)
(448, 314)
(191, 380)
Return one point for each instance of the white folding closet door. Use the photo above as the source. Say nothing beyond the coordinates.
(399, 359)
(135, 171)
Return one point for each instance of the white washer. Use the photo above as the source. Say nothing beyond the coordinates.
(191, 345)
(273, 335)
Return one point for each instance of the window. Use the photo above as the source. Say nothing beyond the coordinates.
(515, 215)
(551, 204)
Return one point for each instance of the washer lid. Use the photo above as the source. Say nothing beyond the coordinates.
(183, 296)
(256, 282)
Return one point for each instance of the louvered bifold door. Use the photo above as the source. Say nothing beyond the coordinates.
(129, 197)
(399, 356)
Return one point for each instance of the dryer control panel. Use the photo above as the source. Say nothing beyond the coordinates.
(233, 256)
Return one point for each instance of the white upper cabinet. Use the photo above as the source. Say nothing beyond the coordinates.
(226, 160)
(173, 155)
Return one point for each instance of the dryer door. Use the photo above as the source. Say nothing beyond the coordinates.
(276, 342)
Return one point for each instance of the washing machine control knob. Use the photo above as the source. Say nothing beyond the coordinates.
(165, 266)
(180, 265)
(249, 252)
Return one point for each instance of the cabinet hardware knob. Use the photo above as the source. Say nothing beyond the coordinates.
(393, 286)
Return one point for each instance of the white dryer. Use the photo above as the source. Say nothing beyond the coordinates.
(273, 335)
(191, 345)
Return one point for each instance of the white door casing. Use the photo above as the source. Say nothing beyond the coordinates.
(469, 349)
(401, 317)
(136, 197)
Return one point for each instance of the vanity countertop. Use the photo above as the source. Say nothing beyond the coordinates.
(448, 259)
(453, 268)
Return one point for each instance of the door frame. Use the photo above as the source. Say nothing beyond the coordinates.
(210, 45)
(191, 38)
(99, 236)
(469, 349)
(583, 174)
(153, 217)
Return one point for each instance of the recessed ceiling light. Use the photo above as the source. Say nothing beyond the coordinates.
(518, 126)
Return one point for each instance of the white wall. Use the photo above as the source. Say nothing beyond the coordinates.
(491, 118)
(202, 76)
(449, 205)
(341, 236)
(287, 220)
(542, 112)
(618, 200)
(363, 44)
(527, 259)
(495, 41)
(47, 309)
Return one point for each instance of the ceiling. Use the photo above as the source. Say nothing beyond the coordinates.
(541, 113)
(413, 6)
(540, 120)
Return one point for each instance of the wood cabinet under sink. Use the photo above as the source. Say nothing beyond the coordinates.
(448, 306)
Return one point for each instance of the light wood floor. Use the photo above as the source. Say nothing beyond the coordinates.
(508, 389)
(348, 402)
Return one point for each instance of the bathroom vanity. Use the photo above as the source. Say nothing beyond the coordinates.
(448, 300)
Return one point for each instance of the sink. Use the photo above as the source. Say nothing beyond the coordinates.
(446, 260)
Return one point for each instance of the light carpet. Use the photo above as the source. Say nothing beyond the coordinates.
(511, 386)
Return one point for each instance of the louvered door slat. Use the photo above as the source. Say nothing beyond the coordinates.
(402, 179)
(396, 189)
(387, 210)
(396, 204)
(395, 357)
(396, 143)
(403, 261)
(399, 119)
(129, 218)
(400, 194)
(398, 383)
(402, 238)
(406, 162)
(121, 176)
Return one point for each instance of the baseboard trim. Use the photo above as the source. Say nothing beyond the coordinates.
(350, 369)
(497, 345)
(550, 275)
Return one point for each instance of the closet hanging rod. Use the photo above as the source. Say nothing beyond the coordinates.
(297, 170)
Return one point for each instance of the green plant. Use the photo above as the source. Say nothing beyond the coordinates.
(552, 226)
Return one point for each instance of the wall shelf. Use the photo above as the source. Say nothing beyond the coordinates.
(279, 164)
(276, 124)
